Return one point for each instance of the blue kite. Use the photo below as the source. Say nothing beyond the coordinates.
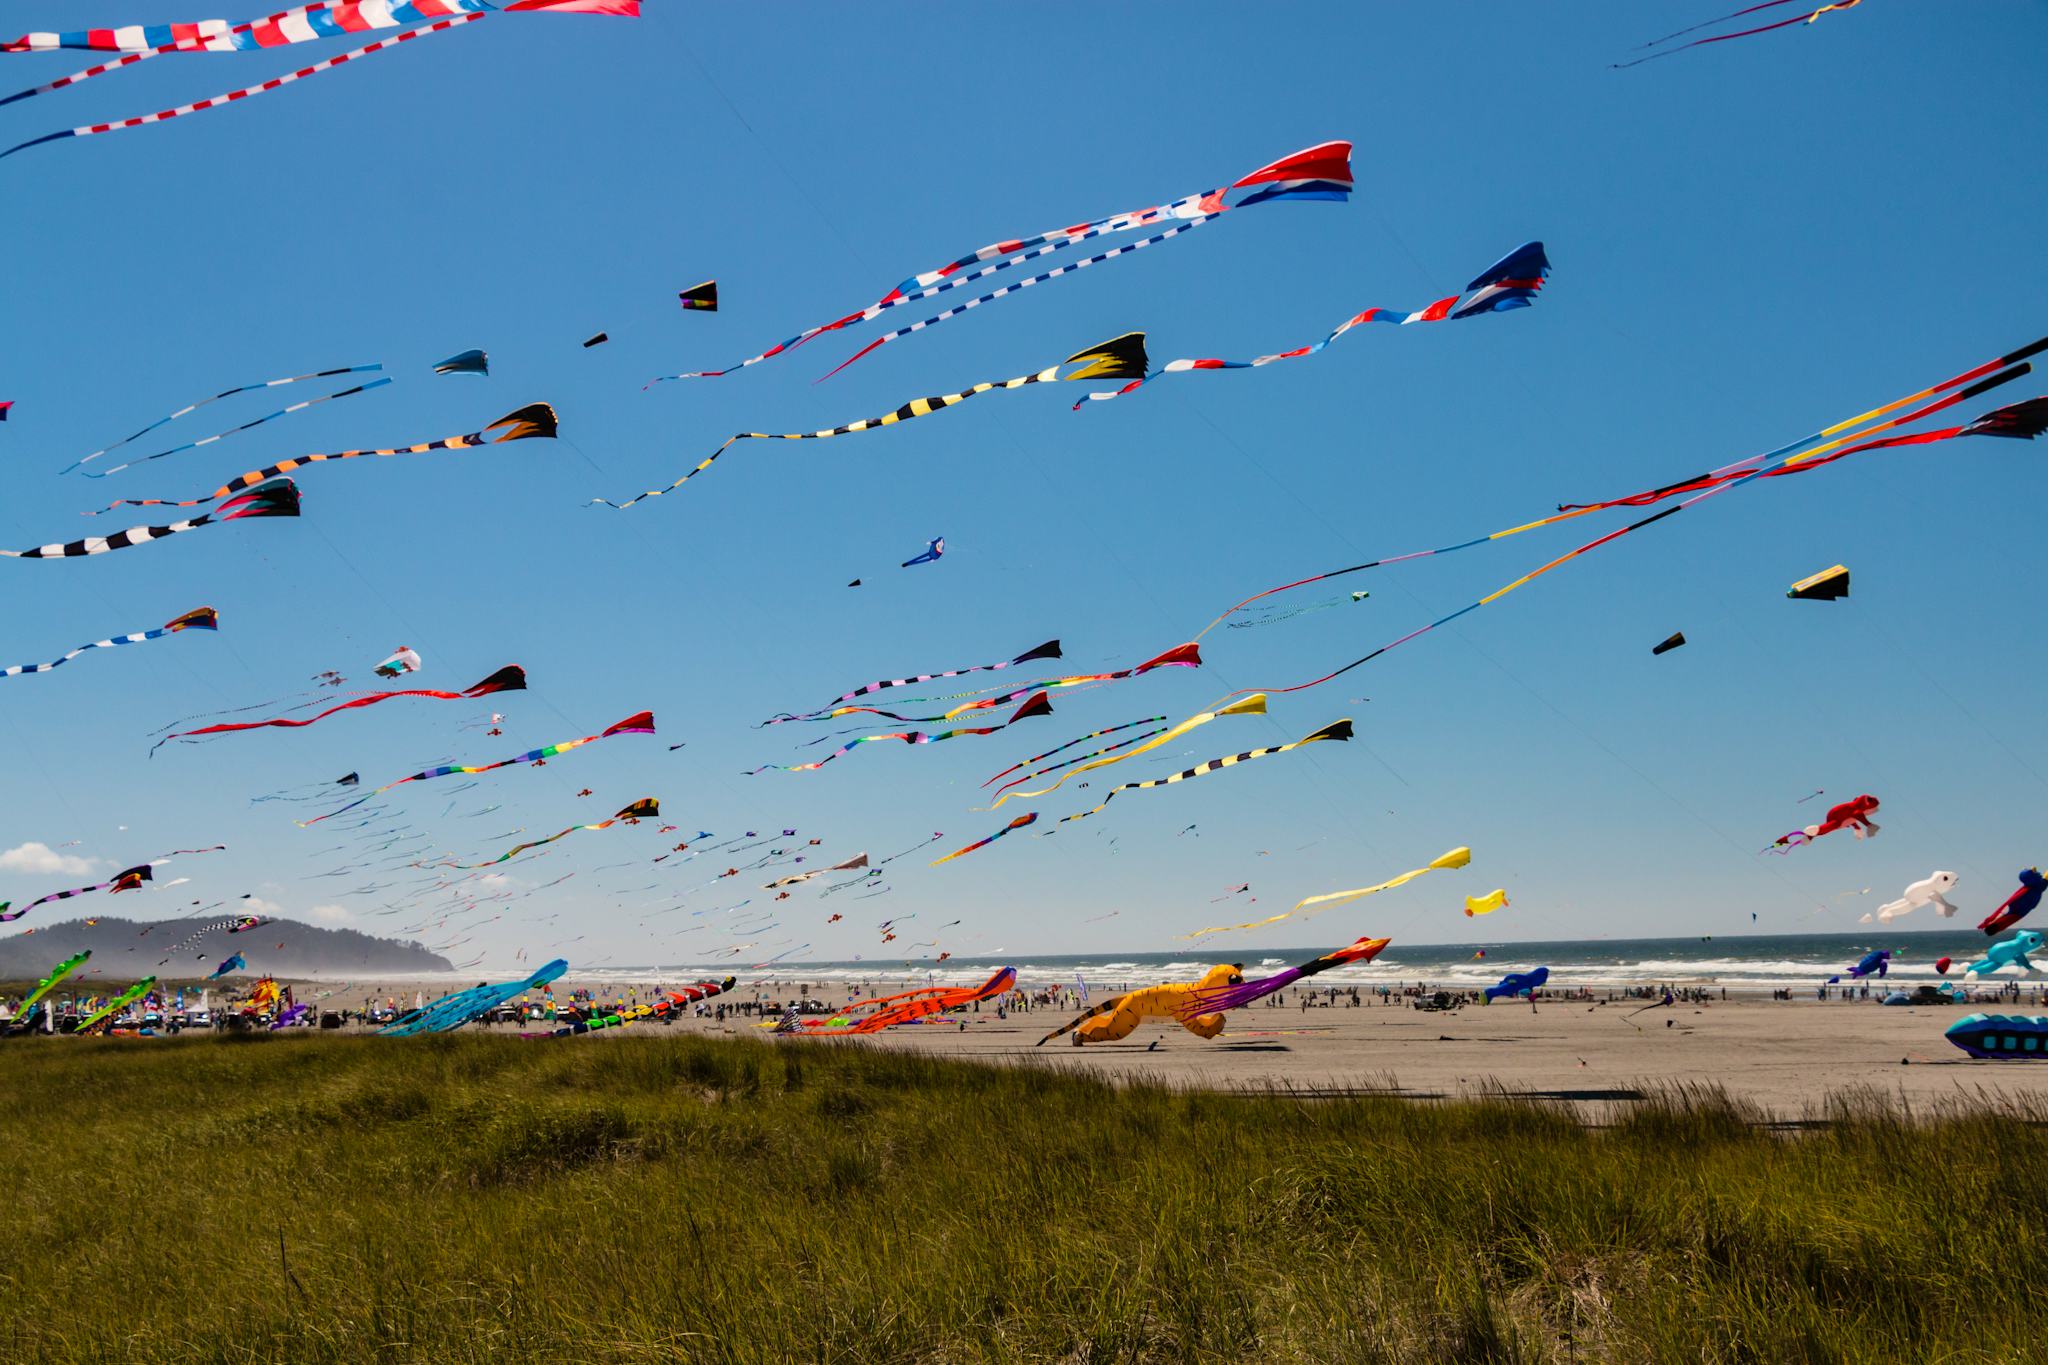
(2011, 952)
(932, 550)
(1518, 983)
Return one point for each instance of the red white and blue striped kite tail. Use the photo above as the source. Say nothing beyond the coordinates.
(957, 309)
(246, 92)
(1319, 172)
(943, 282)
(1509, 283)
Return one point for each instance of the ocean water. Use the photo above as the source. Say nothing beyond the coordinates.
(1748, 963)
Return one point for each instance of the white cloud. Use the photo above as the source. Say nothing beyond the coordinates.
(256, 905)
(332, 914)
(43, 860)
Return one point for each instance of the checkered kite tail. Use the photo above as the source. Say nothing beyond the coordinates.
(276, 499)
(201, 618)
(1336, 730)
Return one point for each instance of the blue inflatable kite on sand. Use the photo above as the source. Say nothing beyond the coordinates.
(2001, 1035)
(1517, 983)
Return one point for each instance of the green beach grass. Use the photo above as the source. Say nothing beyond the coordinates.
(465, 1198)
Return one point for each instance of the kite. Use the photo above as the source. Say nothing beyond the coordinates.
(6, 408)
(1180, 656)
(646, 808)
(1120, 1015)
(403, 660)
(278, 498)
(2000, 1036)
(1355, 954)
(1807, 18)
(1028, 818)
(1121, 357)
(2011, 952)
(2019, 904)
(1674, 642)
(1049, 650)
(1315, 905)
(533, 420)
(598, 340)
(239, 924)
(1322, 172)
(116, 1005)
(224, 393)
(1272, 617)
(1876, 963)
(1486, 904)
(2023, 421)
(1249, 706)
(906, 1008)
(1853, 816)
(1930, 890)
(1828, 585)
(1092, 753)
(510, 678)
(1942, 964)
(932, 550)
(129, 879)
(234, 963)
(50, 983)
(1509, 283)
(699, 297)
(1517, 983)
(1035, 705)
(453, 1011)
(1337, 730)
(639, 723)
(292, 1014)
(658, 1009)
(324, 19)
(465, 362)
(199, 618)
(857, 860)
(1097, 734)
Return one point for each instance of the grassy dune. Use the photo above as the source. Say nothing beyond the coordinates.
(659, 1198)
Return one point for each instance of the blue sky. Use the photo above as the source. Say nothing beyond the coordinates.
(1750, 241)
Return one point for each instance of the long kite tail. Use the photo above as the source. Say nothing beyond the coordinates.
(1792, 463)
(1121, 357)
(246, 92)
(533, 420)
(1028, 818)
(224, 393)
(1037, 704)
(1319, 172)
(199, 618)
(1455, 858)
(236, 430)
(511, 678)
(1339, 730)
(639, 723)
(1509, 283)
(1806, 18)
(1049, 650)
(1568, 511)
(1083, 739)
(1249, 706)
(276, 499)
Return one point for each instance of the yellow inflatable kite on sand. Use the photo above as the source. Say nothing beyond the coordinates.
(1120, 1015)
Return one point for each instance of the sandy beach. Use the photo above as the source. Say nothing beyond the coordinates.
(1783, 1055)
